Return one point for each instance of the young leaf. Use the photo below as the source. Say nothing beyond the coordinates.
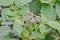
(35, 6)
(25, 34)
(24, 10)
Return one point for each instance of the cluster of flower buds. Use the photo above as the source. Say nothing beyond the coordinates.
(56, 36)
(33, 18)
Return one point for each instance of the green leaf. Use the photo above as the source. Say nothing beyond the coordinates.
(44, 28)
(47, 1)
(35, 35)
(17, 27)
(49, 37)
(20, 3)
(43, 19)
(7, 12)
(3, 38)
(58, 8)
(11, 18)
(48, 11)
(4, 30)
(35, 6)
(54, 24)
(58, 0)
(25, 33)
(7, 39)
(8, 36)
(5, 2)
(24, 10)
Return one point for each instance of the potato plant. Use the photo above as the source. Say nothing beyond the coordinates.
(29, 19)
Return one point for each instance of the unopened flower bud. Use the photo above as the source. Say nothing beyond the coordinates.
(32, 19)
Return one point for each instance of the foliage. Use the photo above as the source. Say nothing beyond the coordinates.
(29, 19)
